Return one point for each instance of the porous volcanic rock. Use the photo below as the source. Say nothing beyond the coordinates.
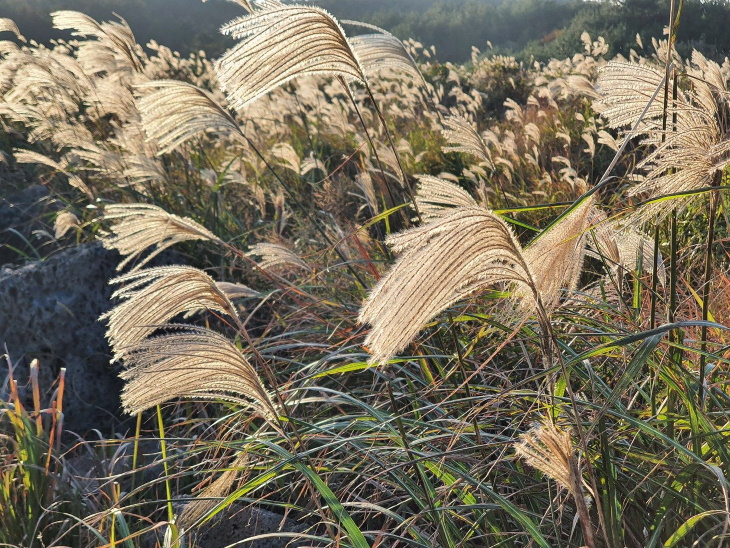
(50, 311)
(238, 523)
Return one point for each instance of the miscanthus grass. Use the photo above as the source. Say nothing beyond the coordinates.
(400, 315)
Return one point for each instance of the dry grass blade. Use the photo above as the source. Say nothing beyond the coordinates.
(177, 111)
(273, 256)
(464, 138)
(556, 255)
(279, 43)
(139, 226)
(436, 197)
(154, 296)
(443, 262)
(195, 363)
(205, 500)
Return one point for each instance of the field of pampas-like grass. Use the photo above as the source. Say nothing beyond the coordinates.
(395, 316)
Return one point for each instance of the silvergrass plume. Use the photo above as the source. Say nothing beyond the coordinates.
(382, 50)
(691, 151)
(65, 221)
(8, 25)
(154, 296)
(139, 226)
(623, 247)
(116, 36)
(461, 253)
(194, 363)
(177, 111)
(550, 451)
(464, 138)
(30, 157)
(293, 40)
(236, 291)
(442, 262)
(436, 197)
(275, 255)
(556, 255)
(205, 499)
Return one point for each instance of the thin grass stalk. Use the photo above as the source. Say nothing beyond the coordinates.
(163, 450)
(464, 375)
(114, 512)
(135, 449)
(395, 152)
(51, 434)
(59, 408)
(36, 397)
(56, 421)
(581, 507)
(672, 397)
(372, 145)
(674, 338)
(435, 516)
(706, 292)
(584, 516)
(654, 297)
(654, 280)
(637, 283)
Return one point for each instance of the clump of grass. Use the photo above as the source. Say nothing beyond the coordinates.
(33, 494)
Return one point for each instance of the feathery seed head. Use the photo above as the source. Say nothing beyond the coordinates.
(381, 50)
(194, 363)
(442, 262)
(556, 255)
(279, 43)
(177, 111)
(550, 451)
(205, 499)
(464, 138)
(275, 255)
(689, 153)
(8, 25)
(436, 197)
(139, 226)
(65, 221)
(154, 296)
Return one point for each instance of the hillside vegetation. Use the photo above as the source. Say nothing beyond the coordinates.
(542, 29)
(415, 303)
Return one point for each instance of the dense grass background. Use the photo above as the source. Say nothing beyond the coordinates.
(542, 29)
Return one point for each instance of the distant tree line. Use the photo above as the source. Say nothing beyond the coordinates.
(539, 29)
